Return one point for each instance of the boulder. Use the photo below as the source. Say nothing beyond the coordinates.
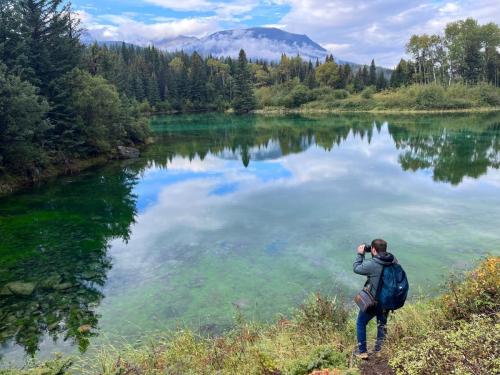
(85, 328)
(18, 288)
(50, 281)
(5, 291)
(128, 152)
(62, 286)
(53, 326)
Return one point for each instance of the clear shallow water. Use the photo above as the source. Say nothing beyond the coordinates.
(251, 213)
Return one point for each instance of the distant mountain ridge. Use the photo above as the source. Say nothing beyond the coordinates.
(258, 42)
(263, 43)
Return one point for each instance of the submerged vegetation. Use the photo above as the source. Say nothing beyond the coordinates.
(456, 332)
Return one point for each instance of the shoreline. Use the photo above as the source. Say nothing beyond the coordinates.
(285, 111)
(14, 184)
(11, 184)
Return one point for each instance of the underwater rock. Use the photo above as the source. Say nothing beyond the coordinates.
(198, 282)
(18, 288)
(53, 326)
(62, 286)
(241, 303)
(128, 152)
(50, 281)
(5, 291)
(85, 328)
(89, 275)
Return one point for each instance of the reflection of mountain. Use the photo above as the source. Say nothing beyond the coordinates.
(53, 259)
(453, 147)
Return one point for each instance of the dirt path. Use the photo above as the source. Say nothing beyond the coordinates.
(375, 366)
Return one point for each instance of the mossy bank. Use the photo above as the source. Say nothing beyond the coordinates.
(456, 332)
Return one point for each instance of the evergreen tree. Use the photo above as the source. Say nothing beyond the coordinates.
(372, 79)
(358, 81)
(153, 94)
(243, 97)
(22, 120)
(365, 77)
(198, 81)
(400, 75)
(381, 83)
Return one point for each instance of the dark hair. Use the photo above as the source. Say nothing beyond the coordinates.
(380, 245)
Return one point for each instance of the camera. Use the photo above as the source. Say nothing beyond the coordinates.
(368, 248)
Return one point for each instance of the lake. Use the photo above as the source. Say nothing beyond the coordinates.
(226, 215)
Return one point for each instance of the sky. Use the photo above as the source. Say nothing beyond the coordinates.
(352, 30)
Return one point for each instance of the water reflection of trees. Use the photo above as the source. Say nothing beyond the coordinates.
(218, 134)
(56, 242)
(453, 147)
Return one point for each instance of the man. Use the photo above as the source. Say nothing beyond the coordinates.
(373, 269)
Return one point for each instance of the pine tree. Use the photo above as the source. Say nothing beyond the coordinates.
(381, 83)
(372, 80)
(365, 76)
(243, 97)
(198, 81)
(152, 89)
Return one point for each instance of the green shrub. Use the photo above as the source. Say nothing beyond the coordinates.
(478, 293)
(299, 95)
(164, 106)
(265, 97)
(489, 94)
(323, 92)
(320, 358)
(466, 348)
(320, 313)
(430, 97)
(368, 92)
(340, 94)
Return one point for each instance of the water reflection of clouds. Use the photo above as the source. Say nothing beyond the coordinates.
(227, 175)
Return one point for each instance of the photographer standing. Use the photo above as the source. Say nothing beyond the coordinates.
(374, 270)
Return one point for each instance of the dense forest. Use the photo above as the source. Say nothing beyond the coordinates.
(467, 54)
(53, 111)
(62, 101)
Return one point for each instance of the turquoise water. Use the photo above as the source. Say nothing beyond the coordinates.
(226, 215)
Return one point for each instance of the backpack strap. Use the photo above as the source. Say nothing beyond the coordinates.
(380, 281)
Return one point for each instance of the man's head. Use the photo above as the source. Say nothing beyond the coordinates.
(379, 247)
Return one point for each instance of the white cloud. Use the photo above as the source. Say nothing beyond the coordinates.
(224, 10)
(337, 47)
(378, 29)
(354, 30)
(120, 27)
(184, 5)
(449, 8)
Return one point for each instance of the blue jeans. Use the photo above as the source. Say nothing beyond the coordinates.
(363, 319)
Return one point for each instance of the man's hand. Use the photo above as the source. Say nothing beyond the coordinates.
(361, 249)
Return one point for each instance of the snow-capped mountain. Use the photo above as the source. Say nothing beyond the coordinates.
(258, 43)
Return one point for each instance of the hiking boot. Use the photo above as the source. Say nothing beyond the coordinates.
(362, 355)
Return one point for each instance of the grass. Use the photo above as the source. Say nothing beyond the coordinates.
(414, 98)
(457, 332)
